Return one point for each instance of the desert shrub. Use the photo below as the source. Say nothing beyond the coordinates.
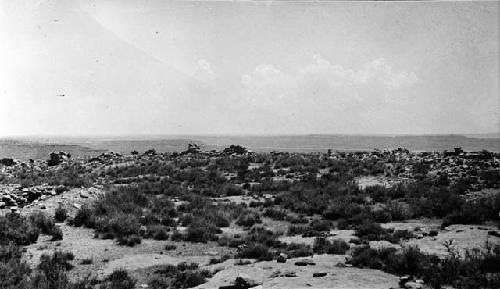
(321, 225)
(476, 269)
(241, 262)
(60, 215)
(86, 261)
(263, 236)
(382, 216)
(190, 278)
(297, 230)
(158, 232)
(249, 219)
(336, 247)
(84, 217)
(369, 230)
(170, 247)
(46, 225)
(18, 230)
(183, 275)
(275, 214)
(366, 257)
(119, 279)
(177, 236)
(201, 231)
(232, 190)
(51, 271)
(14, 272)
(218, 260)
(397, 211)
(341, 209)
(119, 225)
(129, 240)
(300, 219)
(255, 251)
(60, 189)
(57, 234)
(295, 250)
(342, 224)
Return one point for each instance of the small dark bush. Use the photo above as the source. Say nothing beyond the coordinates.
(255, 251)
(57, 234)
(119, 279)
(275, 214)
(324, 246)
(342, 224)
(321, 225)
(218, 260)
(170, 247)
(86, 261)
(84, 217)
(130, 240)
(294, 250)
(297, 230)
(60, 215)
(18, 230)
(249, 219)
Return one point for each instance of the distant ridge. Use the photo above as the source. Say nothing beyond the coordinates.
(24, 150)
(40, 148)
(317, 142)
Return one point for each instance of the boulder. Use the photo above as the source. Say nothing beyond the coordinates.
(413, 285)
(77, 206)
(340, 265)
(305, 262)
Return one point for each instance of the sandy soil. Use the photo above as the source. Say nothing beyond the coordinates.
(107, 256)
(337, 277)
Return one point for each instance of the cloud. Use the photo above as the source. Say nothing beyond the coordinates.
(266, 85)
(205, 74)
(377, 72)
(322, 82)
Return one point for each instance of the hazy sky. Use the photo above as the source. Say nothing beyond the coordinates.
(159, 67)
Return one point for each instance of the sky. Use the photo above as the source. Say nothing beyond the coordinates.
(74, 68)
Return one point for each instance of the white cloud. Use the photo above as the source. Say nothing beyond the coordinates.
(205, 74)
(322, 82)
(377, 72)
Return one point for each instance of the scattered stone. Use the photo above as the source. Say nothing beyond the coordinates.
(319, 274)
(305, 262)
(281, 258)
(143, 286)
(84, 195)
(494, 233)
(290, 274)
(340, 265)
(77, 206)
(403, 280)
(413, 285)
(2, 205)
(43, 207)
